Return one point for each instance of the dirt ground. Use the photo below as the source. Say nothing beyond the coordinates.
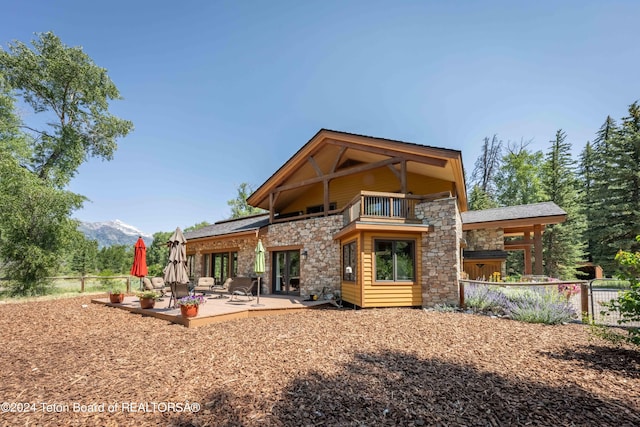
(70, 362)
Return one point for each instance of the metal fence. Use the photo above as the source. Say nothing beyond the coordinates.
(601, 292)
(591, 300)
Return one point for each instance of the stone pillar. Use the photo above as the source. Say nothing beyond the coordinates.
(440, 252)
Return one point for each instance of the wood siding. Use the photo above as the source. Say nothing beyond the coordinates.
(382, 294)
(479, 269)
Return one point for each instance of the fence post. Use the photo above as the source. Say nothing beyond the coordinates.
(128, 284)
(82, 284)
(461, 294)
(584, 299)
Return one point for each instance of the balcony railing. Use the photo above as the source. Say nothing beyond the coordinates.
(391, 207)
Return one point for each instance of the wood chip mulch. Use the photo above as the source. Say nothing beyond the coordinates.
(71, 362)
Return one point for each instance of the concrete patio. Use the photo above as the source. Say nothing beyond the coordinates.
(218, 309)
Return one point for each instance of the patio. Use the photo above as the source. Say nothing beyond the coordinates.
(217, 309)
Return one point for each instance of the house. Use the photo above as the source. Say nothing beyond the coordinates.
(383, 222)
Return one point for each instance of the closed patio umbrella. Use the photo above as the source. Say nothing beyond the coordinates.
(258, 268)
(176, 270)
(139, 267)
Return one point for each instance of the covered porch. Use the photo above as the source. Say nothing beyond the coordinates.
(512, 228)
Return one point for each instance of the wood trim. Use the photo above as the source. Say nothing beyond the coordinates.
(433, 161)
(284, 248)
(345, 172)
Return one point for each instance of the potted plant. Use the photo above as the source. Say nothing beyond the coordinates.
(189, 305)
(116, 295)
(147, 299)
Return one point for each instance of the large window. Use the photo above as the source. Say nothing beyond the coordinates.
(395, 260)
(220, 265)
(349, 262)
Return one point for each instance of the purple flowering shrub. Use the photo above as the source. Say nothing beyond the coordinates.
(531, 304)
(484, 299)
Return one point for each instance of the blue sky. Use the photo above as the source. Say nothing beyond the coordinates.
(224, 92)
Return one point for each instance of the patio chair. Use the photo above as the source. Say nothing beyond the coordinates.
(222, 289)
(242, 286)
(204, 285)
(178, 290)
(156, 284)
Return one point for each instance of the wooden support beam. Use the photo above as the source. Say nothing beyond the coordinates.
(537, 243)
(337, 160)
(345, 172)
(526, 239)
(315, 166)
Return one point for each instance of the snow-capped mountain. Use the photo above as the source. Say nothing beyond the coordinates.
(109, 233)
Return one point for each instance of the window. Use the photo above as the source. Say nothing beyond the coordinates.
(349, 262)
(395, 260)
(320, 208)
(220, 265)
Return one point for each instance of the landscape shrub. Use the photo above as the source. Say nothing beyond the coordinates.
(540, 305)
(483, 299)
(530, 304)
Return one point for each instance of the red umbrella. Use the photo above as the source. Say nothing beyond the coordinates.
(139, 267)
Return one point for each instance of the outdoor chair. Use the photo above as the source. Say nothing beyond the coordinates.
(178, 290)
(242, 286)
(156, 284)
(204, 285)
(222, 289)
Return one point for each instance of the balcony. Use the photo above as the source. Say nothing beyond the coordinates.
(382, 207)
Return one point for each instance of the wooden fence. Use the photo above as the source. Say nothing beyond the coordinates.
(83, 280)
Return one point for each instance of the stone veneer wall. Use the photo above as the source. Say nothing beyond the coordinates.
(485, 240)
(245, 245)
(440, 252)
(322, 266)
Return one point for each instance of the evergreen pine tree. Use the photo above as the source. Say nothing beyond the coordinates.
(596, 169)
(563, 243)
(622, 202)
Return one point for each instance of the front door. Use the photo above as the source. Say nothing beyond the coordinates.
(286, 272)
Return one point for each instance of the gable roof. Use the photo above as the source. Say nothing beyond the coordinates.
(520, 215)
(230, 226)
(332, 153)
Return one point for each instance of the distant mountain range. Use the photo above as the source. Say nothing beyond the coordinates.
(111, 233)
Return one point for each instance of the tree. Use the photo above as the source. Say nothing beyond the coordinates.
(197, 226)
(37, 161)
(563, 243)
(518, 183)
(35, 226)
(614, 218)
(63, 82)
(84, 256)
(479, 199)
(518, 180)
(487, 165)
(239, 205)
(115, 259)
(158, 253)
(595, 167)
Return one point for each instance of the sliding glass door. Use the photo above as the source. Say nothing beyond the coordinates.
(286, 272)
